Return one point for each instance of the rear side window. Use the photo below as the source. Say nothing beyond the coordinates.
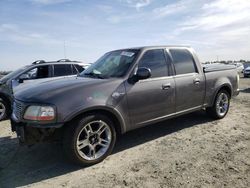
(74, 69)
(183, 61)
(79, 68)
(62, 70)
(155, 60)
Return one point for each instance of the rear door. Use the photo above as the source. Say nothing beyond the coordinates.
(153, 98)
(190, 83)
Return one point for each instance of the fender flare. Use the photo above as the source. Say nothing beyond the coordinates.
(226, 85)
(102, 109)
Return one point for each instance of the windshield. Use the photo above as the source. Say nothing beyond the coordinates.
(111, 64)
(13, 74)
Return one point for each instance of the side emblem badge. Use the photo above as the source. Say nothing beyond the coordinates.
(116, 95)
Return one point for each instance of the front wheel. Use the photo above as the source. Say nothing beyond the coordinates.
(221, 105)
(89, 140)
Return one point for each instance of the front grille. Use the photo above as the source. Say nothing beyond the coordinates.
(18, 109)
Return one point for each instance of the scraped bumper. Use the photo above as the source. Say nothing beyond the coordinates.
(29, 134)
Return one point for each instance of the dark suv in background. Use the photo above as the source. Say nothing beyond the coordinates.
(38, 71)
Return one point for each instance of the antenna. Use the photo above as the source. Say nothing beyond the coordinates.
(64, 48)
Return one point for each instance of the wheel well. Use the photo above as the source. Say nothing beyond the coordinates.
(227, 88)
(5, 98)
(107, 113)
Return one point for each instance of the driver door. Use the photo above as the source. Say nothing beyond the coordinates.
(154, 98)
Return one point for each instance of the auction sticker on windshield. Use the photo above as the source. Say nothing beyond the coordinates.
(129, 54)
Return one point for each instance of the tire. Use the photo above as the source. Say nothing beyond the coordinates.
(219, 109)
(78, 134)
(4, 109)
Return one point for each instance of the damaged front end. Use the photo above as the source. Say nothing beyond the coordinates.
(29, 135)
(30, 132)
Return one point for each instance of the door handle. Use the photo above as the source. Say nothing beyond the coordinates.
(166, 86)
(197, 81)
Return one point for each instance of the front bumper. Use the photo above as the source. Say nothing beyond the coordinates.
(237, 92)
(29, 133)
(19, 131)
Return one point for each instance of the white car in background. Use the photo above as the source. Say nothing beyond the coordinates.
(35, 73)
(240, 67)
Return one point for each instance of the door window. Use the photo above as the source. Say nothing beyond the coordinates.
(36, 73)
(183, 61)
(42, 72)
(62, 70)
(155, 60)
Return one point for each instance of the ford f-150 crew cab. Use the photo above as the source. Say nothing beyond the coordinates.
(123, 90)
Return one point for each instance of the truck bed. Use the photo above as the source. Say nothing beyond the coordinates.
(219, 75)
(217, 67)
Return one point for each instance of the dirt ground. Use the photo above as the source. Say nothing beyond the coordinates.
(190, 151)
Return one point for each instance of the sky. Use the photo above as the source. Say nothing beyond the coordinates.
(39, 29)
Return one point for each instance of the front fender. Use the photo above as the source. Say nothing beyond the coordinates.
(107, 109)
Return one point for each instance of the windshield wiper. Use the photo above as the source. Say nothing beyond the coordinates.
(94, 75)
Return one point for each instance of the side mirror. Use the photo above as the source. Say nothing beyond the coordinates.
(23, 77)
(143, 73)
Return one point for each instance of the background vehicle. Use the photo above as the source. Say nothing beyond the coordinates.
(246, 72)
(38, 71)
(124, 90)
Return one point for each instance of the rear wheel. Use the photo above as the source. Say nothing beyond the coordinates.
(221, 105)
(89, 140)
(4, 109)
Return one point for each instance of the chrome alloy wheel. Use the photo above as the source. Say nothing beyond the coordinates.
(93, 140)
(2, 110)
(222, 104)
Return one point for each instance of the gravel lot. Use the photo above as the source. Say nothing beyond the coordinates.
(190, 151)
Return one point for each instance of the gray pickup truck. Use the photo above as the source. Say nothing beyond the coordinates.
(124, 90)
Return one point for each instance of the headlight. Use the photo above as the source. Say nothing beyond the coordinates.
(39, 113)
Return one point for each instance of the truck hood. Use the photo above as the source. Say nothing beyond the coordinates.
(16, 86)
(49, 91)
